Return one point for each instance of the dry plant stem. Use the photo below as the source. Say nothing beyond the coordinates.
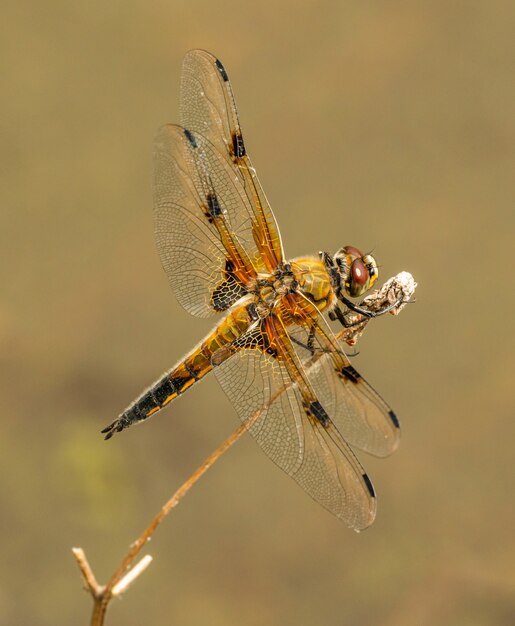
(99, 610)
(173, 502)
(87, 572)
(102, 594)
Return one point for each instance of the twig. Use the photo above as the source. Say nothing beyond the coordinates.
(125, 574)
(87, 573)
(131, 575)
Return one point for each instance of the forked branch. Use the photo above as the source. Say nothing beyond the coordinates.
(126, 573)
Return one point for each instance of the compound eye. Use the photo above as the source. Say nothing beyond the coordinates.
(352, 251)
(358, 280)
(359, 272)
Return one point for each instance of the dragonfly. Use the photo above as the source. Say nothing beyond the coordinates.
(272, 350)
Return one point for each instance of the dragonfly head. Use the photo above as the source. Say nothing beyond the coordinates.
(358, 271)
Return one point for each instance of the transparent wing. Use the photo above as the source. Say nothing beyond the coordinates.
(359, 413)
(291, 426)
(197, 213)
(208, 108)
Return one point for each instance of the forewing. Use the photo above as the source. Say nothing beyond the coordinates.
(208, 108)
(196, 212)
(359, 413)
(261, 386)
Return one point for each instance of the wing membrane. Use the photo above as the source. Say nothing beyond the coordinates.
(267, 390)
(196, 208)
(208, 108)
(359, 413)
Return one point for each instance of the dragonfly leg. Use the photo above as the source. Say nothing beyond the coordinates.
(366, 312)
(338, 314)
(310, 344)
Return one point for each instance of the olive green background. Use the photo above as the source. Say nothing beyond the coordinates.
(386, 125)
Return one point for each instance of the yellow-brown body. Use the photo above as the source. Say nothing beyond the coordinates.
(289, 293)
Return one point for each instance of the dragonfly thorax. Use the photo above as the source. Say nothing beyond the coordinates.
(269, 288)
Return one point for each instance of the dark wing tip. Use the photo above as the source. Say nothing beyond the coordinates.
(351, 373)
(191, 138)
(394, 419)
(369, 485)
(318, 411)
(221, 70)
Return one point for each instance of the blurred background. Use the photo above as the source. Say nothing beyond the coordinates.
(385, 125)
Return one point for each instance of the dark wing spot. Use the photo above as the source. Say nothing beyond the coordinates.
(369, 485)
(189, 136)
(213, 205)
(394, 418)
(318, 411)
(221, 69)
(350, 373)
(228, 290)
(238, 147)
(254, 339)
(226, 294)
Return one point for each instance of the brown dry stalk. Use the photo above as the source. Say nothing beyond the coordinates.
(125, 573)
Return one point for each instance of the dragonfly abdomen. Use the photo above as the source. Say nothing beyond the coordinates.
(191, 369)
